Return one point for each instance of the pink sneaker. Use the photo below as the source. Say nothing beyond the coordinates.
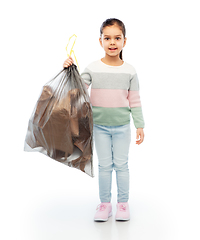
(122, 212)
(104, 211)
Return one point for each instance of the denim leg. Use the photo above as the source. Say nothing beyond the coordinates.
(121, 142)
(103, 145)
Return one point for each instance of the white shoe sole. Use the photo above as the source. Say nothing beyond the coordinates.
(103, 219)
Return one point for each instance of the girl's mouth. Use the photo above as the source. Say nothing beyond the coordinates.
(112, 49)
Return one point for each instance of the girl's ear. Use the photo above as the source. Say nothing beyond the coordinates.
(125, 39)
(100, 40)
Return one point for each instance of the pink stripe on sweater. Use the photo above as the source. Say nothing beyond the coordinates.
(87, 86)
(109, 98)
(134, 99)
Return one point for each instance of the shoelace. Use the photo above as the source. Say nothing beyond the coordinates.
(101, 207)
(122, 207)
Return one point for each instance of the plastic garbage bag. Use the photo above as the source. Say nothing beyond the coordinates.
(61, 124)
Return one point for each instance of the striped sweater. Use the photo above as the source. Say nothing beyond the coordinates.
(114, 94)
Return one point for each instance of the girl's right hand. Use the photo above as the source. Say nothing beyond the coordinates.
(68, 62)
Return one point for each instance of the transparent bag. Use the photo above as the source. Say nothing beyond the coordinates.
(61, 124)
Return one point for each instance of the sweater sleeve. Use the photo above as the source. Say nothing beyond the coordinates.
(135, 103)
(87, 77)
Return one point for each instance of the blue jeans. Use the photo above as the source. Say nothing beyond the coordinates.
(112, 147)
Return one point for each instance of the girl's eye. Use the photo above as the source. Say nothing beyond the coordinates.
(107, 38)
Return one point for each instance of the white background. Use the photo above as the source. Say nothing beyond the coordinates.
(43, 199)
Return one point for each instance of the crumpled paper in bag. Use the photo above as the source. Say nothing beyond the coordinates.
(61, 124)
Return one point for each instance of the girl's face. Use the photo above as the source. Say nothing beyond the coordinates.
(112, 40)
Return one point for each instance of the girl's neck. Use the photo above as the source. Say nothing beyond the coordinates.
(112, 61)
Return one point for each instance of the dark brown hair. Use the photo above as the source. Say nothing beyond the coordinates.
(111, 22)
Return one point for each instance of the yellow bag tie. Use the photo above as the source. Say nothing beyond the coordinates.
(70, 46)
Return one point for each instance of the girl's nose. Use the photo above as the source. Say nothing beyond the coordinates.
(112, 41)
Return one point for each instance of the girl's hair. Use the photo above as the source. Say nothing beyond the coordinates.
(111, 22)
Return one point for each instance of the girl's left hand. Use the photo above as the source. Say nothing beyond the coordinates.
(140, 136)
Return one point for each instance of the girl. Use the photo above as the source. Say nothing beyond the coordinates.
(114, 95)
